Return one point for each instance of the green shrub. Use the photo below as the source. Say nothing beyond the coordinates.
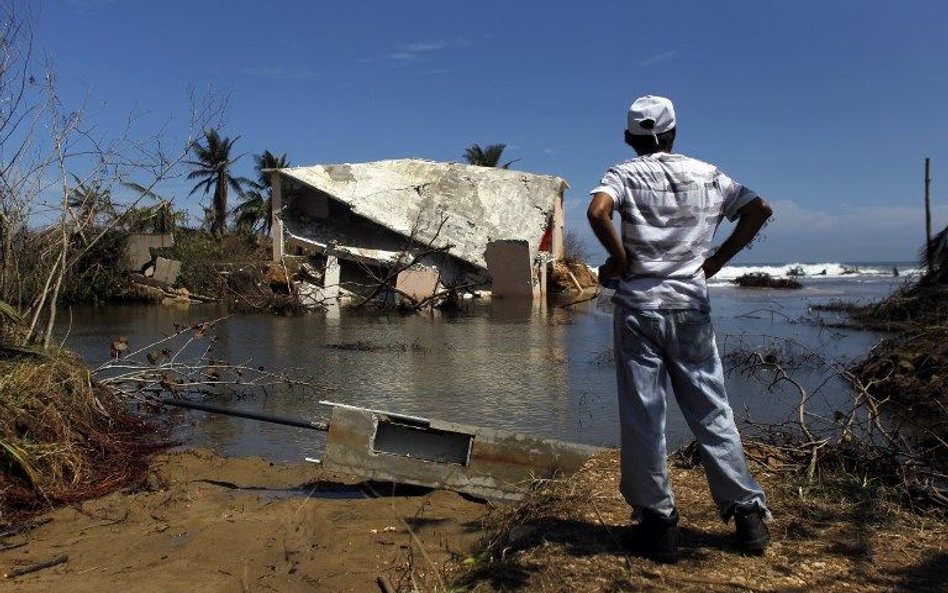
(204, 257)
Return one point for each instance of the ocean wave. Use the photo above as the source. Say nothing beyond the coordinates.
(819, 270)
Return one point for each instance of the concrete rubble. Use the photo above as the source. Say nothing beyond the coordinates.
(139, 246)
(153, 278)
(167, 270)
(366, 224)
(483, 462)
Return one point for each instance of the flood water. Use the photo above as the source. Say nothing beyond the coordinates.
(544, 371)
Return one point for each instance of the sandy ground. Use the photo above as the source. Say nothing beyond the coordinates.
(566, 538)
(207, 523)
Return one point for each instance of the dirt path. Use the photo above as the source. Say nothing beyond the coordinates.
(211, 524)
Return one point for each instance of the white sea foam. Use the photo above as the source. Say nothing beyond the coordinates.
(814, 271)
(818, 270)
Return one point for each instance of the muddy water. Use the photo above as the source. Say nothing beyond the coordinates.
(543, 371)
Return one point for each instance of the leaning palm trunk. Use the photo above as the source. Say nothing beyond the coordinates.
(220, 206)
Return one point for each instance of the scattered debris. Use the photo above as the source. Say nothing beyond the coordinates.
(765, 280)
(25, 527)
(483, 462)
(572, 276)
(36, 567)
(367, 346)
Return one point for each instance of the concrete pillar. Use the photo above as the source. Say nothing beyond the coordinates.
(539, 278)
(276, 228)
(559, 224)
(511, 269)
(331, 278)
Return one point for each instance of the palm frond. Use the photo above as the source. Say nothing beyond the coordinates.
(488, 156)
(20, 458)
(266, 161)
(10, 313)
(207, 183)
(141, 189)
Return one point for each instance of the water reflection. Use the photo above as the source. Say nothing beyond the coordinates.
(542, 370)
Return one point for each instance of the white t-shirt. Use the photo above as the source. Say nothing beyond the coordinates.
(671, 206)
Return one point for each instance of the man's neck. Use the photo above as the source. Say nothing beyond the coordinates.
(655, 152)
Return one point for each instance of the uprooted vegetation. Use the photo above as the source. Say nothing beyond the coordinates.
(765, 280)
(69, 432)
(863, 434)
(911, 366)
(63, 437)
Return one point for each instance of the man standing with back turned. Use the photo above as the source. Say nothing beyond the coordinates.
(671, 206)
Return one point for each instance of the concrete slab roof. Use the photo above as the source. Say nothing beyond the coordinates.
(442, 203)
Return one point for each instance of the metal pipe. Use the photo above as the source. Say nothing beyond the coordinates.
(299, 423)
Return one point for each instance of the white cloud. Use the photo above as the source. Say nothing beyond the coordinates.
(279, 72)
(846, 217)
(846, 232)
(657, 58)
(841, 232)
(421, 52)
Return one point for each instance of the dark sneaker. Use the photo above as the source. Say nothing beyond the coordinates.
(654, 537)
(752, 533)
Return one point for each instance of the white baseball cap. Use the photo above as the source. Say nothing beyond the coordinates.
(650, 116)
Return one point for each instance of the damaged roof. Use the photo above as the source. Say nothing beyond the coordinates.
(442, 204)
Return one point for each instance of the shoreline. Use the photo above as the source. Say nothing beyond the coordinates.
(207, 523)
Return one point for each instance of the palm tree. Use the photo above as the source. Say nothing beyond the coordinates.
(159, 218)
(213, 167)
(87, 202)
(488, 156)
(256, 211)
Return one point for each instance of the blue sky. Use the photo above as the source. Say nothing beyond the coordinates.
(827, 109)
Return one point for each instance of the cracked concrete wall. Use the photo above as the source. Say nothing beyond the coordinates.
(140, 245)
(444, 203)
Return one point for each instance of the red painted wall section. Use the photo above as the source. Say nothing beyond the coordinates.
(546, 243)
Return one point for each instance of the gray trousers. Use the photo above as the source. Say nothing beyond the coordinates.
(651, 347)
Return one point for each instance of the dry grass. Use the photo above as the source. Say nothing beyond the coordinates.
(62, 438)
(826, 538)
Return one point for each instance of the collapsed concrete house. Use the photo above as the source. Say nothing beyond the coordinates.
(420, 225)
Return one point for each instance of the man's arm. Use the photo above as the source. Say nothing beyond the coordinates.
(751, 218)
(599, 215)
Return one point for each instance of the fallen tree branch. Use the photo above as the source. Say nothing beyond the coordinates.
(25, 527)
(16, 572)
